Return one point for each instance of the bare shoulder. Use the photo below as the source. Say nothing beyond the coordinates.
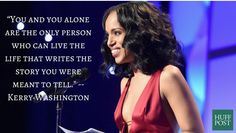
(171, 70)
(123, 82)
(171, 77)
(174, 88)
(171, 73)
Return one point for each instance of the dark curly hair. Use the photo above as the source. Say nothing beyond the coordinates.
(149, 36)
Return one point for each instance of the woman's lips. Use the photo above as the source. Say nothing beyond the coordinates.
(115, 52)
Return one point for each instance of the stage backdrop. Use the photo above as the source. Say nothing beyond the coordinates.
(41, 44)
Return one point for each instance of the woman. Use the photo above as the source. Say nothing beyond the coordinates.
(141, 46)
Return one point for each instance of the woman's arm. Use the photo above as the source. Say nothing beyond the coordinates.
(174, 88)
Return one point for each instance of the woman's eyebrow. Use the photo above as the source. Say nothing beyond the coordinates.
(113, 29)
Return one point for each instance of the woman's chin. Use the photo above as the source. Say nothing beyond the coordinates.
(119, 61)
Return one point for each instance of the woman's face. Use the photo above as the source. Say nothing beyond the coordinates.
(116, 34)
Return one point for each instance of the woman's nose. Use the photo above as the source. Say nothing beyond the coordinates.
(110, 42)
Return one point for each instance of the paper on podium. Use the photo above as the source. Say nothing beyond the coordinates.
(90, 130)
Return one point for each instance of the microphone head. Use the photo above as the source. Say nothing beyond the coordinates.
(83, 76)
(84, 73)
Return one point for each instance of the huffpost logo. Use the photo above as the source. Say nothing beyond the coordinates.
(222, 119)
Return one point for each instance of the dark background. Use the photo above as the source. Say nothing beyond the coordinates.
(30, 117)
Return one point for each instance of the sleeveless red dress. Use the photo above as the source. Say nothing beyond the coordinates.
(148, 115)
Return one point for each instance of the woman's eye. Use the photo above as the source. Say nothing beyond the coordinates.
(117, 33)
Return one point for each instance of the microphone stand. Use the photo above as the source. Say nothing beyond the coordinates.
(59, 105)
(59, 108)
(73, 80)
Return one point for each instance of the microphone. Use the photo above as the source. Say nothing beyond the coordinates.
(71, 80)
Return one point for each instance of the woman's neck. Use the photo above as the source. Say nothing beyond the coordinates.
(138, 73)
